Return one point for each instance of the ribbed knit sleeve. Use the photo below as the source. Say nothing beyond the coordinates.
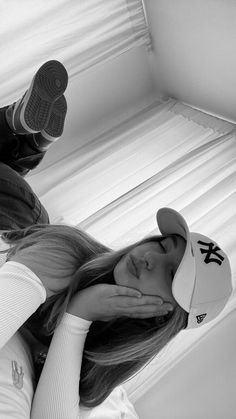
(57, 392)
(21, 293)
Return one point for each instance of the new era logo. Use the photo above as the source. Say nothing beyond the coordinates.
(201, 317)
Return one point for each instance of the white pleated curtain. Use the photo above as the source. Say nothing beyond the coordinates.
(80, 33)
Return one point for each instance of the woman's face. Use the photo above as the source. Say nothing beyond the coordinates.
(150, 267)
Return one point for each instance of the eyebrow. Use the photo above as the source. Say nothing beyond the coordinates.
(162, 238)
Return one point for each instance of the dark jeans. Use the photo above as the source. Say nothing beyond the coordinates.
(19, 206)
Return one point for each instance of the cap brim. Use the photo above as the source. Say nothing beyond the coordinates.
(171, 222)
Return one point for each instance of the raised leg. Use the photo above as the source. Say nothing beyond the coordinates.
(29, 126)
(30, 114)
(19, 206)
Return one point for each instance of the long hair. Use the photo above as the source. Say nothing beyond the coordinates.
(114, 350)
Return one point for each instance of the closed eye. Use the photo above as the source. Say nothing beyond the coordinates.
(160, 243)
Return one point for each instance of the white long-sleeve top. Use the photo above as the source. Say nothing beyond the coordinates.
(57, 393)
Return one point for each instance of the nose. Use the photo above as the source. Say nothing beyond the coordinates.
(140, 264)
(150, 259)
(147, 261)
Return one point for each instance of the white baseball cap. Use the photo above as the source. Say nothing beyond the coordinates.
(202, 283)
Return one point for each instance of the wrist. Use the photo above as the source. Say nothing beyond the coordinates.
(78, 312)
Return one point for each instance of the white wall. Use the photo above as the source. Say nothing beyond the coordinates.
(194, 55)
(202, 385)
(101, 97)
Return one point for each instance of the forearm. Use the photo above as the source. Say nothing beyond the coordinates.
(57, 393)
(21, 293)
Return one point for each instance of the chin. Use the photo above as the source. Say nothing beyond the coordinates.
(116, 273)
(120, 273)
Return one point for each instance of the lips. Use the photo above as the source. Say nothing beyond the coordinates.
(131, 266)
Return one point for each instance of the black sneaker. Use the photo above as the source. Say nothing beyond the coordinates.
(31, 113)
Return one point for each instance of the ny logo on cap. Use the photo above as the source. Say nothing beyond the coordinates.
(201, 317)
(211, 251)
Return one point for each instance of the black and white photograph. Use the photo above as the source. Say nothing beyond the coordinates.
(117, 209)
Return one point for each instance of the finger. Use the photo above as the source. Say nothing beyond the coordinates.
(150, 299)
(146, 315)
(141, 310)
(126, 291)
(131, 303)
(168, 306)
